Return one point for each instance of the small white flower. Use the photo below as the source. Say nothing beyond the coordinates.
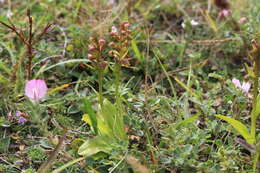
(113, 30)
(194, 23)
(183, 25)
(9, 14)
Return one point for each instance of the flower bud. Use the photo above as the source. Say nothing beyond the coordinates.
(102, 64)
(126, 24)
(91, 39)
(113, 53)
(101, 43)
(112, 45)
(91, 57)
(92, 47)
(113, 30)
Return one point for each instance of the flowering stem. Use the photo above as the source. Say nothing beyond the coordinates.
(254, 113)
(100, 85)
(117, 72)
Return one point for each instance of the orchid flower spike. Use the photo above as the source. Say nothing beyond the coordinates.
(36, 90)
(244, 87)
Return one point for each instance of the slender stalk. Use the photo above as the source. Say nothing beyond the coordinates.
(254, 113)
(117, 72)
(256, 170)
(100, 86)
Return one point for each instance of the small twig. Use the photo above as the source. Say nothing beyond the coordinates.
(28, 42)
(44, 31)
(30, 45)
(46, 165)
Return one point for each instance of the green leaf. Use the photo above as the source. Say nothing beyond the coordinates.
(91, 114)
(4, 68)
(257, 109)
(4, 144)
(188, 121)
(113, 119)
(95, 145)
(241, 128)
(136, 50)
(103, 128)
(3, 80)
(62, 63)
(250, 72)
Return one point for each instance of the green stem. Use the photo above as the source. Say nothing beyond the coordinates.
(254, 113)
(256, 170)
(117, 83)
(100, 85)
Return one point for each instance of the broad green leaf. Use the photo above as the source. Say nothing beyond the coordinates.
(95, 145)
(92, 116)
(103, 128)
(113, 119)
(241, 128)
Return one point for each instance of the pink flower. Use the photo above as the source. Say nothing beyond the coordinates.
(243, 20)
(36, 90)
(244, 87)
(225, 13)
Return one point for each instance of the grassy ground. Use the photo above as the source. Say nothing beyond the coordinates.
(182, 58)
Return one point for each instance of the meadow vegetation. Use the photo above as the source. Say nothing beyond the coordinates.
(102, 86)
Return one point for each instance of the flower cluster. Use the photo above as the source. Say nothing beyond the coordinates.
(121, 39)
(95, 48)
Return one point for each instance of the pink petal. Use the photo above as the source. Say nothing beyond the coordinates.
(36, 89)
(246, 86)
(236, 82)
(225, 13)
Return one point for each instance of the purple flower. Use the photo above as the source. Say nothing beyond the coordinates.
(18, 113)
(36, 90)
(22, 120)
(244, 87)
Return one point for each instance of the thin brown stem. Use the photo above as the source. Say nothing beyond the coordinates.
(46, 165)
